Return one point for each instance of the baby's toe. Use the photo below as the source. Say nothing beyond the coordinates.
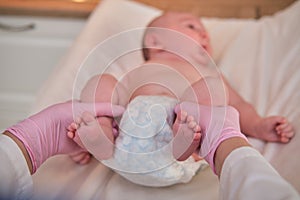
(192, 124)
(190, 118)
(71, 134)
(70, 128)
(197, 129)
(197, 137)
(78, 120)
(74, 126)
(183, 116)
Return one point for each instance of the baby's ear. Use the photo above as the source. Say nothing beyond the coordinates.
(151, 40)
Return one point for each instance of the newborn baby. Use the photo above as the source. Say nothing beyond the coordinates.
(151, 92)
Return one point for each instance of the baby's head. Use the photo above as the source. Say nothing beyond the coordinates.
(185, 23)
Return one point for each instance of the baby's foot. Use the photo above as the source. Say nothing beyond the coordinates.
(274, 129)
(83, 157)
(187, 136)
(98, 139)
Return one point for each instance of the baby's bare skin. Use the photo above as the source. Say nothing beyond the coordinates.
(150, 79)
(187, 136)
(88, 126)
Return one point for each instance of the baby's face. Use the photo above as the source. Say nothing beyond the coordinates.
(188, 25)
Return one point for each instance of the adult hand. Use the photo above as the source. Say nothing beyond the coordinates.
(45, 133)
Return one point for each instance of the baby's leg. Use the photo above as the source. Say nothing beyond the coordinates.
(207, 91)
(100, 88)
(218, 121)
(187, 136)
(105, 88)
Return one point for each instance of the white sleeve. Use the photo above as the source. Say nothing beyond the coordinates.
(15, 179)
(247, 175)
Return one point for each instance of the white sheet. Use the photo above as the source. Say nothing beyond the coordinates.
(260, 59)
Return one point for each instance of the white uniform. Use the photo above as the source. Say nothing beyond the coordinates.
(245, 175)
(15, 178)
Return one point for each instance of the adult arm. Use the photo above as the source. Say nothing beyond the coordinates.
(15, 179)
(245, 174)
(26, 145)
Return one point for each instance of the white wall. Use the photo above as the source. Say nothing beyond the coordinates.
(27, 58)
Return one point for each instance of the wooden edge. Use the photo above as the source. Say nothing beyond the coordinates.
(47, 8)
(212, 8)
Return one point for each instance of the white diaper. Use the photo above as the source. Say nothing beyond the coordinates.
(143, 151)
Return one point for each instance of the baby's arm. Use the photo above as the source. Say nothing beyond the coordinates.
(273, 129)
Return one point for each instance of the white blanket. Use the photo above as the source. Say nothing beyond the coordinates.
(260, 59)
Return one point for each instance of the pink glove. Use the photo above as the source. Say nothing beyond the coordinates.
(45, 133)
(217, 123)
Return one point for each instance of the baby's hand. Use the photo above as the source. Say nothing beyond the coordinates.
(275, 129)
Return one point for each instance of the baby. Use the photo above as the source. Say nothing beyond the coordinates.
(146, 88)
